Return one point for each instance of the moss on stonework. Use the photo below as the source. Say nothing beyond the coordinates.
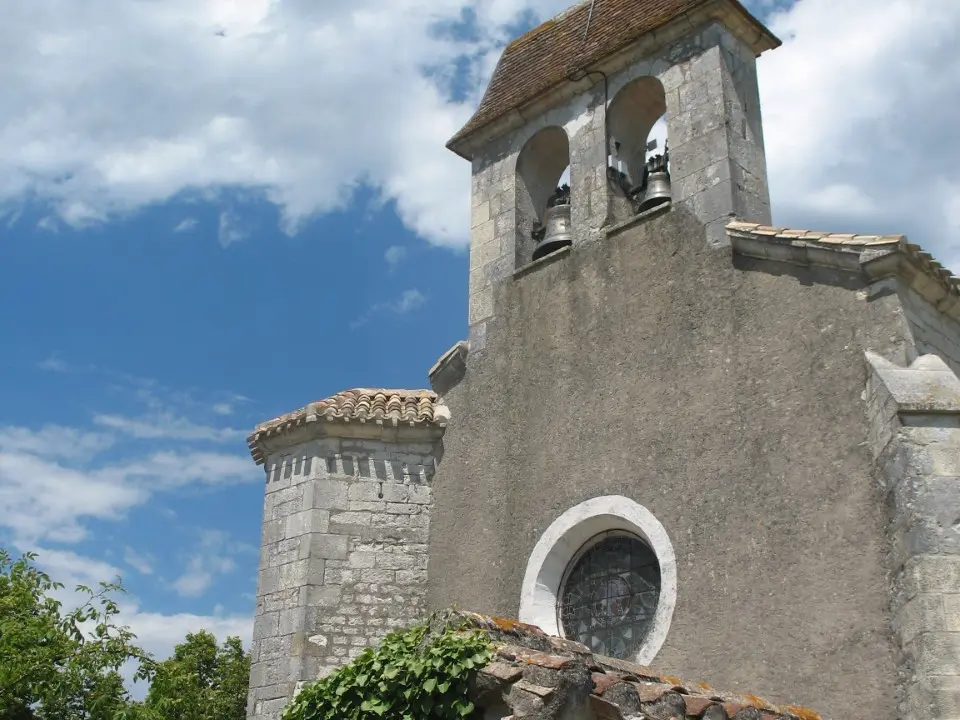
(418, 673)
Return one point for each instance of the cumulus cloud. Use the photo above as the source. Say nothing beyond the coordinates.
(860, 109)
(105, 111)
(109, 109)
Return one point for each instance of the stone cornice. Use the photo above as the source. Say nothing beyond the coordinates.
(874, 257)
(393, 416)
(449, 370)
(927, 387)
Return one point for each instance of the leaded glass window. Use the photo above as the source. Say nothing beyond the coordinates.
(610, 594)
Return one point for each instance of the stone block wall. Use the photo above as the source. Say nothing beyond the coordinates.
(715, 134)
(932, 331)
(915, 436)
(343, 559)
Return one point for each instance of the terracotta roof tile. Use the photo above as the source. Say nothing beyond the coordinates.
(655, 692)
(846, 243)
(545, 56)
(362, 405)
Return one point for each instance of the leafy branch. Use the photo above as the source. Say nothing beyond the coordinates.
(414, 674)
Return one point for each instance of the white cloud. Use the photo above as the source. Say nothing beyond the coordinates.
(214, 555)
(860, 108)
(229, 230)
(143, 564)
(238, 110)
(158, 633)
(229, 406)
(408, 301)
(72, 569)
(42, 499)
(394, 255)
(50, 486)
(54, 441)
(54, 364)
(185, 225)
(166, 426)
(858, 104)
(48, 223)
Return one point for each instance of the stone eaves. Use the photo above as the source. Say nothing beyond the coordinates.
(874, 256)
(543, 58)
(539, 676)
(362, 412)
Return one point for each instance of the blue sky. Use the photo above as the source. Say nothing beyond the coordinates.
(215, 212)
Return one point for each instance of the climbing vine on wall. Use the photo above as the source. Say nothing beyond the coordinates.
(416, 674)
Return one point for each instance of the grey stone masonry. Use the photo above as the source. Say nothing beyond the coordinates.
(343, 558)
(715, 135)
(915, 436)
(933, 331)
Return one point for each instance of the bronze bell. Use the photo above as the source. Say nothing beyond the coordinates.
(656, 182)
(555, 233)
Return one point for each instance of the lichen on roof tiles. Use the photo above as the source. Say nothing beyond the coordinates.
(361, 405)
(617, 687)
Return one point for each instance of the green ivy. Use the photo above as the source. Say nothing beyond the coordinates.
(415, 674)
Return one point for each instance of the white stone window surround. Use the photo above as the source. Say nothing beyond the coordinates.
(564, 541)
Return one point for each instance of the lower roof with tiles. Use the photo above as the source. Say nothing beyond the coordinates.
(376, 406)
(536, 675)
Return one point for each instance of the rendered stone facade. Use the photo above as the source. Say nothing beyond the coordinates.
(774, 412)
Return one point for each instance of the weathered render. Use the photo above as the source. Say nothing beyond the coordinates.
(774, 414)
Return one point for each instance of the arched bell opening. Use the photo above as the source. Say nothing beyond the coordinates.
(543, 195)
(639, 159)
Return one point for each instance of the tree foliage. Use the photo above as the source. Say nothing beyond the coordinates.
(66, 666)
(201, 681)
(421, 673)
(55, 665)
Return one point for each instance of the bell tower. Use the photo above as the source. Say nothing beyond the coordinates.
(583, 92)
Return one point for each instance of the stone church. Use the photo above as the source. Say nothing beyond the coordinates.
(674, 433)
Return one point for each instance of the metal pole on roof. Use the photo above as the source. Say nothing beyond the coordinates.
(589, 18)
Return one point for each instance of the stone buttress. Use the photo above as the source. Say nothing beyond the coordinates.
(346, 523)
(914, 416)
